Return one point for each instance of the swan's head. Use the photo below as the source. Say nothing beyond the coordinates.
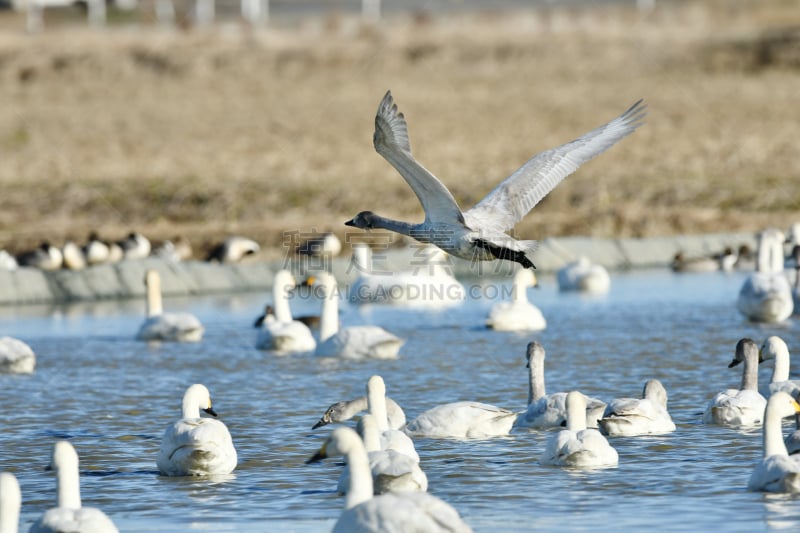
(526, 278)
(535, 352)
(784, 404)
(655, 392)
(64, 457)
(196, 398)
(772, 348)
(745, 348)
(376, 386)
(284, 279)
(334, 414)
(341, 442)
(363, 220)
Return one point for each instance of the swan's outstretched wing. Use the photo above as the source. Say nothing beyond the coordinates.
(391, 141)
(510, 201)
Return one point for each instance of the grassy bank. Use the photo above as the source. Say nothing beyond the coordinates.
(208, 133)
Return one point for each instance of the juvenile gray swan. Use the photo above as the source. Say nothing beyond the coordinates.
(479, 234)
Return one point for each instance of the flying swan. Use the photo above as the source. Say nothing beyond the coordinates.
(479, 234)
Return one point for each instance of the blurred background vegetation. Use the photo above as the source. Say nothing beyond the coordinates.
(229, 129)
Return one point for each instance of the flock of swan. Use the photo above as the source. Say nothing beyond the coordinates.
(383, 481)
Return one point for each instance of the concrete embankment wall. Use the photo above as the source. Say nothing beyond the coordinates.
(126, 279)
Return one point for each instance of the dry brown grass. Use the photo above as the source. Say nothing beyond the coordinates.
(210, 133)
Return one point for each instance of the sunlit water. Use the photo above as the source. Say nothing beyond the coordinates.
(113, 396)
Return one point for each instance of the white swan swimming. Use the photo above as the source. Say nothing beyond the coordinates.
(10, 503)
(518, 314)
(744, 406)
(281, 333)
(8, 261)
(429, 285)
(479, 234)
(161, 326)
(345, 410)
(16, 357)
(774, 349)
(393, 511)
(352, 342)
(195, 446)
(392, 471)
(648, 415)
(69, 515)
(582, 275)
(233, 250)
(73, 256)
(390, 439)
(766, 295)
(549, 410)
(776, 472)
(578, 446)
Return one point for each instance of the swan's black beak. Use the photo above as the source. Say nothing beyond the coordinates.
(321, 422)
(734, 363)
(210, 411)
(319, 456)
(350, 223)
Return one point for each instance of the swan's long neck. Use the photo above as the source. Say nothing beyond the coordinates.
(750, 373)
(68, 486)
(362, 256)
(354, 407)
(398, 226)
(369, 433)
(770, 254)
(10, 502)
(154, 305)
(576, 412)
(191, 407)
(329, 321)
(376, 398)
(280, 293)
(360, 489)
(536, 388)
(519, 290)
(773, 434)
(780, 371)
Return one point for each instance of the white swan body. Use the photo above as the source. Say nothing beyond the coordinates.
(10, 503)
(744, 406)
(578, 446)
(648, 415)
(390, 439)
(16, 357)
(774, 349)
(352, 342)
(462, 420)
(393, 511)
(73, 256)
(479, 234)
(583, 276)
(518, 314)
(69, 515)
(161, 326)
(345, 410)
(195, 446)
(392, 471)
(776, 472)
(430, 285)
(280, 333)
(549, 410)
(766, 295)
